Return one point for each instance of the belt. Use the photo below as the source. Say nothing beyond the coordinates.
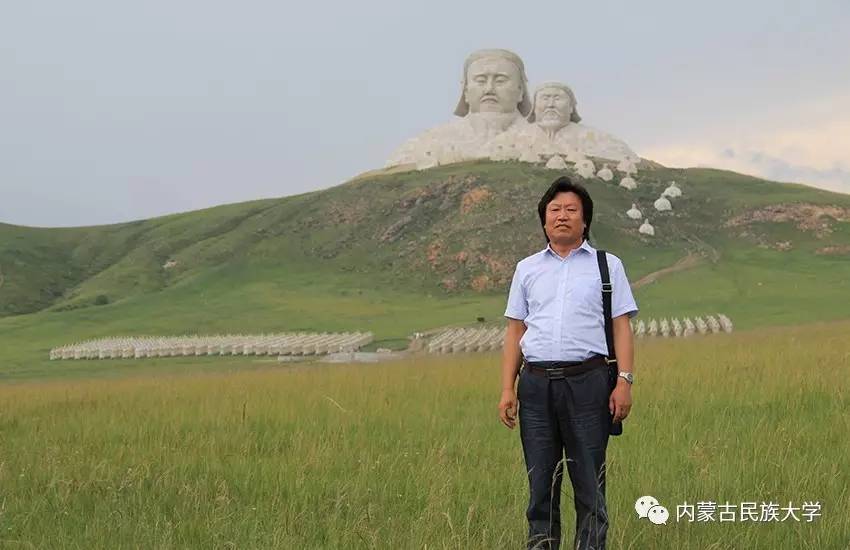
(557, 370)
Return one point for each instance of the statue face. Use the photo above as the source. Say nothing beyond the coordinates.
(552, 107)
(493, 85)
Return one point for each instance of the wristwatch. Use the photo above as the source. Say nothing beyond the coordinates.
(627, 376)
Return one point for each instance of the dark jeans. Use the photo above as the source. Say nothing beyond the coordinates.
(569, 414)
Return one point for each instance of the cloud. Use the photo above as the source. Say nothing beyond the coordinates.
(809, 144)
(754, 162)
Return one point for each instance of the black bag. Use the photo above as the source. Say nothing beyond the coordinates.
(616, 428)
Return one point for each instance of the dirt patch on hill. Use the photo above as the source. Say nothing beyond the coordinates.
(689, 261)
(833, 250)
(481, 283)
(807, 217)
(473, 197)
(433, 253)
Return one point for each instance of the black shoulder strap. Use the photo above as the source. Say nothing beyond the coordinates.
(607, 290)
(616, 428)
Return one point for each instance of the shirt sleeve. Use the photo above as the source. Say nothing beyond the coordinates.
(622, 300)
(517, 303)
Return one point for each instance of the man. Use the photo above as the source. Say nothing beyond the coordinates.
(556, 328)
(494, 98)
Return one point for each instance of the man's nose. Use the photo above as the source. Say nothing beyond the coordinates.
(490, 85)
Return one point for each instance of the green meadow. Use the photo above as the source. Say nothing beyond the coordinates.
(248, 452)
(399, 253)
(411, 454)
(753, 286)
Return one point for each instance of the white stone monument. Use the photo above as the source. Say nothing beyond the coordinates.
(725, 322)
(585, 168)
(628, 183)
(556, 163)
(555, 129)
(634, 213)
(652, 329)
(677, 327)
(627, 166)
(493, 99)
(689, 327)
(662, 204)
(492, 110)
(672, 191)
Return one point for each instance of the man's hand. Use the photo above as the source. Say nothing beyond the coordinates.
(508, 408)
(620, 402)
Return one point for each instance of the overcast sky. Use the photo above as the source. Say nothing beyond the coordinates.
(113, 111)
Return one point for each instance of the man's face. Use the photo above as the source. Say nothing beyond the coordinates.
(565, 218)
(552, 107)
(493, 85)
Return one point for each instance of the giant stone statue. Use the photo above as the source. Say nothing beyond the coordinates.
(555, 129)
(493, 109)
(494, 99)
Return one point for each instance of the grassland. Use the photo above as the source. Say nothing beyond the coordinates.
(411, 454)
(399, 253)
(247, 453)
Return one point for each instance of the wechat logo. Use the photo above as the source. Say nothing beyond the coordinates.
(649, 508)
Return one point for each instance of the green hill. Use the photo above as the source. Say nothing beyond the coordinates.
(396, 253)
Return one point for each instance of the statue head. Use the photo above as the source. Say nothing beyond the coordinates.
(493, 81)
(554, 106)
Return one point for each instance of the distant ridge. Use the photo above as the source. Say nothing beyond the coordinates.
(450, 230)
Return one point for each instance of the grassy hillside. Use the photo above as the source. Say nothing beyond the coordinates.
(397, 253)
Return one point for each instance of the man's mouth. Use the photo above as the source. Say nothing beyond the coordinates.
(489, 98)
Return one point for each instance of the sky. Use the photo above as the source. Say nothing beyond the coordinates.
(113, 111)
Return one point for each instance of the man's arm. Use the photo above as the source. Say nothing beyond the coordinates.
(620, 402)
(511, 360)
(624, 344)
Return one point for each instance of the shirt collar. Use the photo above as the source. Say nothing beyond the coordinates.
(584, 246)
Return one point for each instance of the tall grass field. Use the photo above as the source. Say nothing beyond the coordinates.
(411, 454)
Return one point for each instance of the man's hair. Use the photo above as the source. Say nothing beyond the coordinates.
(564, 185)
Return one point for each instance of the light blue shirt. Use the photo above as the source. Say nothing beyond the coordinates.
(560, 301)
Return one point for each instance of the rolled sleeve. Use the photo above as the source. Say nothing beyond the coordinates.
(622, 300)
(517, 302)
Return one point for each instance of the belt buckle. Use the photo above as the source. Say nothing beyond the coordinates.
(555, 374)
